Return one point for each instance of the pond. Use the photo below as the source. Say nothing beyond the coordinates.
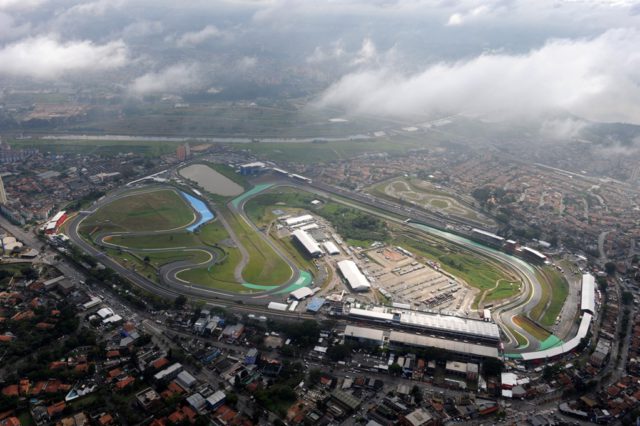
(211, 180)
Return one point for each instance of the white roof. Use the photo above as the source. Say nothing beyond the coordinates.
(568, 346)
(488, 234)
(307, 241)
(105, 312)
(460, 367)
(450, 324)
(167, 371)
(331, 247)
(534, 252)
(277, 306)
(186, 378)
(371, 314)
(298, 219)
(301, 293)
(310, 226)
(509, 379)
(418, 340)
(57, 216)
(216, 398)
(587, 299)
(113, 318)
(254, 164)
(357, 281)
(364, 333)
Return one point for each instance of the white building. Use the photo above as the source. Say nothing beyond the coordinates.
(307, 241)
(356, 279)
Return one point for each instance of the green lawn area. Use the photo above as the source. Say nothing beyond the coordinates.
(212, 233)
(504, 290)
(559, 292)
(158, 259)
(531, 327)
(264, 266)
(219, 276)
(133, 262)
(162, 209)
(176, 239)
(522, 341)
(554, 292)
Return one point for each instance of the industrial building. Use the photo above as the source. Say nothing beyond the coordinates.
(331, 248)
(298, 220)
(441, 325)
(252, 168)
(307, 242)
(277, 306)
(301, 293)
(363, 335)
(356, 279)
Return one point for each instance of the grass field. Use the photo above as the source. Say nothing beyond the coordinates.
(504, 290)
(559, 292)
(176, 239)
(522, 341)
(220, 276)
(554, 292)
(161, 209)
(264, 265)
(531, 327)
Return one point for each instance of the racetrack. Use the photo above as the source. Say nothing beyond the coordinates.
(173, 286)
(170, 284)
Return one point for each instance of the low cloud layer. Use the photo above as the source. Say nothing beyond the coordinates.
(596, 79)
(194, 38)
(46, 57)
(174, 79)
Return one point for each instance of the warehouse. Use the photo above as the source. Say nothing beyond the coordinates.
(331, 248)
(301, 293)
(363, 335)
(357, 281)
(310, 245)
(277, 306)
(297, 220)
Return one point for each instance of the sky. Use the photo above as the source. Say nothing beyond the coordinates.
(492, 59)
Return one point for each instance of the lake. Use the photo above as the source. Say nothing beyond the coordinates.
(211, 180)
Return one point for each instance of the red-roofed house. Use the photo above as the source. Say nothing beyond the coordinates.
(56, 408)
(125, 382)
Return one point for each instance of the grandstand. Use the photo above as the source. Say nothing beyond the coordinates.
(441, 325)
(588, 296)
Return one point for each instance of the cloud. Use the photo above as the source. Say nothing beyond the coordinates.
(46, 57)
(142, 28)
(461, 18)
(367, 53)
(198, 37)
(594, 78)
(177, 78)
(20, 4)
(94, 8)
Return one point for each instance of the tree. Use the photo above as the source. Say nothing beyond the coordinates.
(180, 301)
(610, 268)
(395, 369)
(627, 297)
(338, 352)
